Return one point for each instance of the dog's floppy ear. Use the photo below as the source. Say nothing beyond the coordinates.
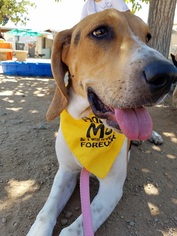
(59, 69)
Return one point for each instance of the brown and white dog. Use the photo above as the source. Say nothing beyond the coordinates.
(115, 75)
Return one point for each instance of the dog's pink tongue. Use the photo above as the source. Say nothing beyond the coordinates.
(136, 124)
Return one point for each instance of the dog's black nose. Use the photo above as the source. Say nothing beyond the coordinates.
(160, 75)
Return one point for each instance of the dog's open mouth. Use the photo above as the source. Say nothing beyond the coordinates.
(135, 123)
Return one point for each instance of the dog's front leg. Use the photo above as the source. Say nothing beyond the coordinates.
(109, 194)
(63, 186)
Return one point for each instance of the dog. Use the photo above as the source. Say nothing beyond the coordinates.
(113, 76)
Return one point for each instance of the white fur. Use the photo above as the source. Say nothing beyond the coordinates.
(64, 184)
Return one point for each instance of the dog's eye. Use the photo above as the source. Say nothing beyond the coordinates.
(100, 32)
(148, 37)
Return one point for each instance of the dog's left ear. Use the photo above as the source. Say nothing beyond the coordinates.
(60, 99)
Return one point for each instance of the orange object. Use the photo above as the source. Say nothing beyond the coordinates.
(6, 45)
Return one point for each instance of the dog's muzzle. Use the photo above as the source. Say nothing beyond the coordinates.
(134, 121)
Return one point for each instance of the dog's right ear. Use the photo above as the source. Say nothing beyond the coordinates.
(60, 99)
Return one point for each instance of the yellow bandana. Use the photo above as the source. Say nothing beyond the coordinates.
(94, 145)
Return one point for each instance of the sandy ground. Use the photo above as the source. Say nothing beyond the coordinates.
(28, 165)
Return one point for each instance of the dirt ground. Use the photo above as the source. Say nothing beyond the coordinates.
(28, 164)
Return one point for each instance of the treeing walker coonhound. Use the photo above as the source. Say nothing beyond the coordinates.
(113, 77)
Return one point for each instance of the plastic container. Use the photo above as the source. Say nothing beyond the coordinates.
(18, 68)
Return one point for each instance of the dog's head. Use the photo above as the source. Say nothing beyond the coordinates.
(112, 70)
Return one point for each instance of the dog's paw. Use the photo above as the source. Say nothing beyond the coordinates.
(40, 228)
(156, 138)
(136, 142)
(74, 229)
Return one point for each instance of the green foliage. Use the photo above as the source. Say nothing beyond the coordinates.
(136, 4)
(14, 10)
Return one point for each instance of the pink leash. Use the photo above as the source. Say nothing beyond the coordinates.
(85, 203)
